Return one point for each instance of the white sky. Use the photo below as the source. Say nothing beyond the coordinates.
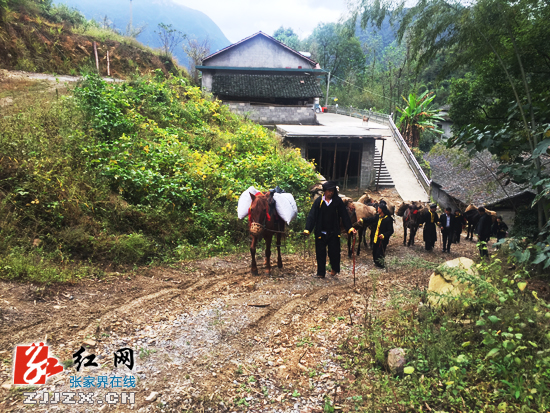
(241, 18)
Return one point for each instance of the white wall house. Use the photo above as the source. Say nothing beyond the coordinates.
(265, 80)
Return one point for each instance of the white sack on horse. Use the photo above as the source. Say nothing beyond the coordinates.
(245, 201)
(286, 206)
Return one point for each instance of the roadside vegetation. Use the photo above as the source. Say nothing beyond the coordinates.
(487, 349)
(129, 173)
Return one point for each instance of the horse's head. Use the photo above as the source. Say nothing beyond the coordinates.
(257, 216)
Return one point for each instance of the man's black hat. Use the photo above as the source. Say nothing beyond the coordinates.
(329, 185)
(384, 208)
(433, 206)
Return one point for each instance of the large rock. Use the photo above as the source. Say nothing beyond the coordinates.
(396, 360)
(444, 285)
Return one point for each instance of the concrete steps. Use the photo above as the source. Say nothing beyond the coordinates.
(385, 177)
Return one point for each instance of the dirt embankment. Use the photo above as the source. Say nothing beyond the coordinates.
(36, 45)
(207, 335)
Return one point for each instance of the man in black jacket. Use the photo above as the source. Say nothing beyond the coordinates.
(500, 229)
(382, 234)
(429, 233)
(483, 231)
(324, 217)
(447, 224)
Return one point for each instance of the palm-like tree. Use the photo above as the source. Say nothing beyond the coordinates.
(418, 116)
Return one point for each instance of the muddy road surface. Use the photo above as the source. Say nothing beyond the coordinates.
(206, 335)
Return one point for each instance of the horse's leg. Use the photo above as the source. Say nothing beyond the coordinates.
(412, 235)
(405, 234)
(279, 258)
(253, 268)
(268, 238)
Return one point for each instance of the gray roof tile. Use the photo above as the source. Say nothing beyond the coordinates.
(266, 86)
(478, 184)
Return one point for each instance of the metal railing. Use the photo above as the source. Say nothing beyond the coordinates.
(401, 144)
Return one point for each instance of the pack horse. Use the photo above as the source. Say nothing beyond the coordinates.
(268, 214)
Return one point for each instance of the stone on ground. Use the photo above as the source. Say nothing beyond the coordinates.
(443, 283)
(396, 360)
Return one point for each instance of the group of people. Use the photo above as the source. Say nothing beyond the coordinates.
(324, 219)
(451, 226)
(329, 211)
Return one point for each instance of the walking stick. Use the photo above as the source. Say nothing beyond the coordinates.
(354, 237)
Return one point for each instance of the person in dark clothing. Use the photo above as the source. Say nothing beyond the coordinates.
(500, 229)
(382, 234)
(483, 231)
(429, 233)
(324, 217)
(460, 223)
(447, 225)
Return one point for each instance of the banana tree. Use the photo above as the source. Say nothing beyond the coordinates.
(418, 116)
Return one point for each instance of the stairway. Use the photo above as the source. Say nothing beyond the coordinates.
(385, 177)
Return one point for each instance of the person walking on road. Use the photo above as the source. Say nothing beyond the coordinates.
(324, 217)
(483, 231)
(429, 233)
(447, 224)
(383, 232)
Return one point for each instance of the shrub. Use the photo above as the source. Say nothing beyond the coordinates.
(130, 172)
(487, 350)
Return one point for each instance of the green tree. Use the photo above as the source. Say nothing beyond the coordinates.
(288, 37)
(337, 49)
(169, 38)
(506, 46)
(417, 117)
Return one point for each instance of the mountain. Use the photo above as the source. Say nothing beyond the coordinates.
(193, 23)
(375, 39)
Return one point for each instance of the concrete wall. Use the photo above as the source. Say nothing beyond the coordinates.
(272, 115)
(443, 199)
(259, 52)
(368, 173)
(207, 80)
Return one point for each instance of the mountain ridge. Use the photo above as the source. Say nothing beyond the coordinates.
(193, 23)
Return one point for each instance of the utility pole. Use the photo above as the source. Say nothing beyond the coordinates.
(328, 88)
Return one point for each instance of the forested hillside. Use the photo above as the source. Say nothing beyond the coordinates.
(146, 16)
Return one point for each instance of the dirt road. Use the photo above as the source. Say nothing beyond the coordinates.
(207, 335)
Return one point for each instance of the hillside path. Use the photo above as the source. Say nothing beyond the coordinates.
(405, 181)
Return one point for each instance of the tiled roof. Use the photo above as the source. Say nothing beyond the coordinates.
(266, 86)
(313, 62)
(477, 184)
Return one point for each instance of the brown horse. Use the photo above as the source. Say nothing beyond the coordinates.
(263, 222)
(411, 213)
(357, 211)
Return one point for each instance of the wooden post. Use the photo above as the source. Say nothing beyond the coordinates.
(108, 65)
(334, 163)
(96, 58)
(380, 167)
(346, 171)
